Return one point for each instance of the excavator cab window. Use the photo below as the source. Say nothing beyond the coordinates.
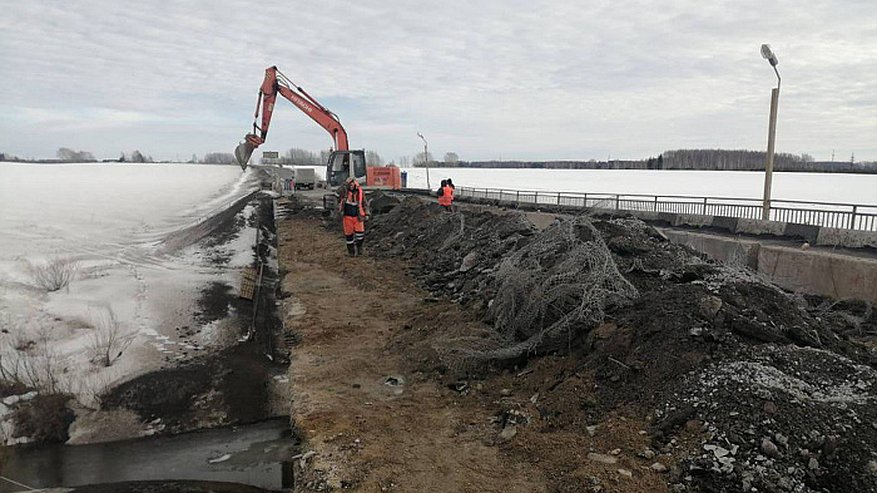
(343, 164)
(338, 166)
(358, 164)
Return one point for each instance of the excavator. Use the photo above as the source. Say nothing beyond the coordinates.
(343, 162)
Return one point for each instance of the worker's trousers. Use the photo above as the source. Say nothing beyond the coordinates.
(354, 233)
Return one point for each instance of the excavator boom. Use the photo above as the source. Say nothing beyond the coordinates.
(343, 163)
(275, 82)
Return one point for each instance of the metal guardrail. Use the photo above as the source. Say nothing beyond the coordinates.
(861, 217)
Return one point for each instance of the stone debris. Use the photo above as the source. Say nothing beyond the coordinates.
(647, 454)
(769, 449)
(508, 432)
(602, 458)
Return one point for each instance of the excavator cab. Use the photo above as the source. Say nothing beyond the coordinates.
(344, 164)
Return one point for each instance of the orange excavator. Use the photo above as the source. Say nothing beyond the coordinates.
(343, 162)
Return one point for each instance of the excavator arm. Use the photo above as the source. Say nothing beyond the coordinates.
(275, 82)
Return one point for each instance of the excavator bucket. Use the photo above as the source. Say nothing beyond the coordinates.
(243, 152)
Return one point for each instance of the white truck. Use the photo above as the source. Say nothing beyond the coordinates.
(304, 178)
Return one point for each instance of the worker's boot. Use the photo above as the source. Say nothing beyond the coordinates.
(351, 250)
(359, 250)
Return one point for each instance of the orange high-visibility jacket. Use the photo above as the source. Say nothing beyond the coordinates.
(353, 205)
(447, 196)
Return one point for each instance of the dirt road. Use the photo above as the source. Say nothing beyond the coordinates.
(376, 414)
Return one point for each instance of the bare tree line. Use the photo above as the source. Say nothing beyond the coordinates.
(682, 159)
(692, 159)
(298, 156)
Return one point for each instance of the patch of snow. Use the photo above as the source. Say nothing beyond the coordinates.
(801, 387)
(219, 459)
(825, 187)
(110, 219)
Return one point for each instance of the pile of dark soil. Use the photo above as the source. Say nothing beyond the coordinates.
(453, 254)
(780, 390)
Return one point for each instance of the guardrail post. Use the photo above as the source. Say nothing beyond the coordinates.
(517, 197)
(558, 198)
(585, 203)
(536, 198)
(704, 206)
(656, 203)
(617, 202)
(853, 218)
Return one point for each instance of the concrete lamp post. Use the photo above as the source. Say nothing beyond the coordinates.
(425, 158)
(768, 55)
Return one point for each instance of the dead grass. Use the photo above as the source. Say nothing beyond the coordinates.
(53, 274)
(45, 419)
(108, 342)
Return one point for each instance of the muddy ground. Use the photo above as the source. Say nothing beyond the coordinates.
(706, 379)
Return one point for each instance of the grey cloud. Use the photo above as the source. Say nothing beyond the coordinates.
(536, 78)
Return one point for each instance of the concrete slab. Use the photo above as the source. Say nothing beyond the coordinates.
(694, 220)
(759, 227)
(846, 238)
(728, 249)
(804, 231)
(820, 272)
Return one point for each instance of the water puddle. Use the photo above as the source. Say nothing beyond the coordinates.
(255, 455)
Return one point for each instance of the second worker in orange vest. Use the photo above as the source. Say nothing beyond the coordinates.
(352, 208)
(446, 199)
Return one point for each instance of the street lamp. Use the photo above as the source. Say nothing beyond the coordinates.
(425, 158)
(768, 55)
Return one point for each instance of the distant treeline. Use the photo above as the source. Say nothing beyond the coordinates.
(690, 159)
(687, 159)
(67, 155)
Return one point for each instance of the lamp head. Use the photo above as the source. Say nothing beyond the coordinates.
(768, 55)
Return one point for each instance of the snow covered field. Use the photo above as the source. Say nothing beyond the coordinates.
(108, 223)
(820, 187)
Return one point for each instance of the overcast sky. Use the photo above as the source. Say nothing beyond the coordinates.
(486, 79)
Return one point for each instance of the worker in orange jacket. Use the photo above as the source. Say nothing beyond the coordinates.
(352, 208)
(446, 197)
